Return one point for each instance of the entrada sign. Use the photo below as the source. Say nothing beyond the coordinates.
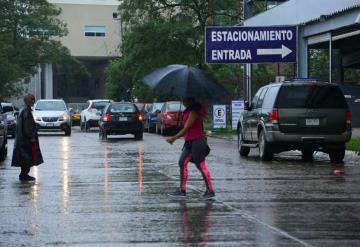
(251, 44)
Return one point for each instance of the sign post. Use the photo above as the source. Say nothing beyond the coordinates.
(219, 116)
(226, 45)
(237, 107)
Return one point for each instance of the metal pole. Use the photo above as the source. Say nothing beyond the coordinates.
(330, 59)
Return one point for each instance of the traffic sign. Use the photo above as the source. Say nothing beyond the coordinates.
(275, 44)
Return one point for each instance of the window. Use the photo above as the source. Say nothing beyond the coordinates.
(95, 31)
(311, 96)
(270, 97)
(261, 98)
(256, 97)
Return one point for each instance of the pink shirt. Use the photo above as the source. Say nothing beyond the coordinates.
(197, 130)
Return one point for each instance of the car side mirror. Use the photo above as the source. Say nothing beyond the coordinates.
(247, 106)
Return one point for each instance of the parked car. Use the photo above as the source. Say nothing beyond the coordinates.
(151, 116)
(90, 116)
(170, 117)
(75, 110)
(121, 118)
(3, 135)
(52, 114)
(307, 116)
(11, 114)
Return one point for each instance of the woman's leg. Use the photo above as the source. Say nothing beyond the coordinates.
(199, 153)
(183, 165)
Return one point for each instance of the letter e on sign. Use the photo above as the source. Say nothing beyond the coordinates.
(219, 113)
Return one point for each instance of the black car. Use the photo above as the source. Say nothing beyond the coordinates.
(3, 135)
(10, 113)
(121, 118)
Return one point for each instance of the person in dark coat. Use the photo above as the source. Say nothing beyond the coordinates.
(26, 148)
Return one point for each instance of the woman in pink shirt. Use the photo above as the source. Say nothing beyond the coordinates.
(195, 147)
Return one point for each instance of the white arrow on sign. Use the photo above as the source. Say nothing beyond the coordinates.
(283, 51)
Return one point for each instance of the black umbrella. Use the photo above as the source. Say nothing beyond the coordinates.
(184, 81)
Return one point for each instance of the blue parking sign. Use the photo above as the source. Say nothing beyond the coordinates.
(251, 44)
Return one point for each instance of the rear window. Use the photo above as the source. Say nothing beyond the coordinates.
(310, 96)
(117, 108)
(157, 106)
(100, 105)
(8, 109)
(50, 106)
(175, 107)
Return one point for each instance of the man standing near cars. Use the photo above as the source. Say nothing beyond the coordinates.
(26, 148)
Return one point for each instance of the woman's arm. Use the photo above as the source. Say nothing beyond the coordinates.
(189, 123)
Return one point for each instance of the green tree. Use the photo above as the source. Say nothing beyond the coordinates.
(27, 29)
(160, 32)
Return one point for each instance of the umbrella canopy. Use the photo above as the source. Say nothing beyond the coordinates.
(184, 81)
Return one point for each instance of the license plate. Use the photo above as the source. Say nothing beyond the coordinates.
(49, 124)
(123, 118)
(312, 122)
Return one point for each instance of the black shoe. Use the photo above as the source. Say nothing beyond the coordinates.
(178, 193)
(208, 195)
(26, 178)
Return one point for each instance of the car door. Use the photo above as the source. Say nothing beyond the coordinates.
(257, 115)
(248, 117)
(2, 126)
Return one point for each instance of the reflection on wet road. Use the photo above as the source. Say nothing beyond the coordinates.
(114, 193)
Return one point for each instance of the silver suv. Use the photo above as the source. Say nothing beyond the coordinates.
(52, 114)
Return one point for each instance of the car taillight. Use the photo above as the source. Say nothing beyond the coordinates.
(274, 116)
(348, 117)
(107, 117)
(139, 117)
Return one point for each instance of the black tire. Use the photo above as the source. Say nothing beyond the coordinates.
(307, 155)
(87, 126)
(163, 131)
(68, 131)
(102, 135)
(265, 151)
(3, 152)
(244, 151)
(138, 135)
(337, 155)
(82, 126)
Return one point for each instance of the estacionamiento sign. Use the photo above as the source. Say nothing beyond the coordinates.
(251, 44)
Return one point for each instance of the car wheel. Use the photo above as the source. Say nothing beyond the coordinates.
(307, 155)
(68, 132)
(87, 126)
(3, 152)
(162, 130)
(244, 151)
(138, 135)
(102, 135)
(337, 155)
(264, 150)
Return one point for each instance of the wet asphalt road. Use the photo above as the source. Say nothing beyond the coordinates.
(114, 193)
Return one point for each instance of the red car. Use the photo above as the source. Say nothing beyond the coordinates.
(170, 117)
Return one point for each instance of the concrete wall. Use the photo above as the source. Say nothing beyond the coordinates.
(77, 16)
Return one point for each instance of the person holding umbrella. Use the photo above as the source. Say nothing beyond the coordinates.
(195, 147)
(189, 83)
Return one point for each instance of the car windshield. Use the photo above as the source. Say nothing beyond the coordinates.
(50, 106)
(311, 96)
(157, 106)
(175, 107)
(100, 105)
(8, 109)
(117, 108)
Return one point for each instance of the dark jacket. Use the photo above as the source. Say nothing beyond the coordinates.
(26, 153)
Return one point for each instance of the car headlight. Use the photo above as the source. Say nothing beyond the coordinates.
(37, 118)
(64, 117)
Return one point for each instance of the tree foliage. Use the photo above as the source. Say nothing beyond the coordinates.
(160, 32)
(27, 29)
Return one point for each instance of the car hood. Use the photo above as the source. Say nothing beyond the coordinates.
(49, 113)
